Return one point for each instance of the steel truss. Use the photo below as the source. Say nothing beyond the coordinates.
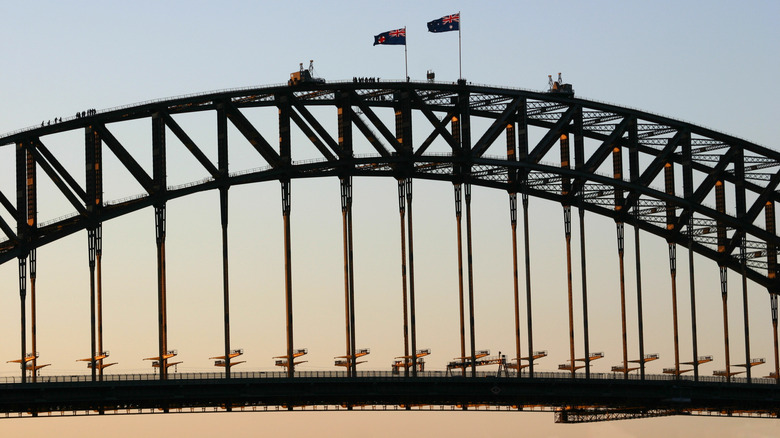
(651, 142)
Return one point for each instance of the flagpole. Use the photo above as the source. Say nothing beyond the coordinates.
(460, 64)
(406, 59)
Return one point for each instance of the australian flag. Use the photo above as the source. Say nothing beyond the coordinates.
(445, 24)
(397, 37)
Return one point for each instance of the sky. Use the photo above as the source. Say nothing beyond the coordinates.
(711, 63)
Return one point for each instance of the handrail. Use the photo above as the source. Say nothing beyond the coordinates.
(385, 375)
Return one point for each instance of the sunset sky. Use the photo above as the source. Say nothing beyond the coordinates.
(712, 63)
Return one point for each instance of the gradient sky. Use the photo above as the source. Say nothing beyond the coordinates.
(710, 63)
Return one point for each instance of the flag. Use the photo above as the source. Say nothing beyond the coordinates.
(445, 24)
(395, 37)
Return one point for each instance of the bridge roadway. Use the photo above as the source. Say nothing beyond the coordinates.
(602, 396)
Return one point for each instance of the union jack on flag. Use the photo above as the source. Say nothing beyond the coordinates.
(445, 24)
(392, 37)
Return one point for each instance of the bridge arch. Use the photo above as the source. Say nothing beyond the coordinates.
(692, 186)
(633, 193)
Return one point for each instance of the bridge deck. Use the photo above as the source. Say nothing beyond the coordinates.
(556, 391)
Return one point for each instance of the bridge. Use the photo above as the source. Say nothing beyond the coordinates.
(681, 184)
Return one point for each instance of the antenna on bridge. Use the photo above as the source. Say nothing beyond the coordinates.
(558, 87)
(305, 75)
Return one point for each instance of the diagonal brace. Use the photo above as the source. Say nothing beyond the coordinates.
(496, 128)
(370, 136)
(61, 170)
(7, 204)
(126, 159)
(754, 210)
(377, 123)
(248, 130)
(601, 154)
(7, 230)
(312, 136)
(190, 145)
(438, 126)
(547, 142)
(57, 180)
(654, 168)
(707, 185)
(314, 123)
(438, 129)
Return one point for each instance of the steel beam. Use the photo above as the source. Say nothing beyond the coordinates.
(549, 139)
(633, 165)
(57, 180)
(6, 203)
(93, 152)
(60, 170)
(91, 244)
(470, 268)
(246, 128)
(223, 208)
(412, 312)
(190, 145)
(661, 162)
(740, 197)
(378, 391)
(99, 289)
(345, 119)
(25, 193)
(33, 316)
(724, 288)
(567, 232)
(565, 189)
(492, 133)
(671, 219)
(125, 158)
(402, 212)
(439, 125)
(515, 282)
(347, 286)
(579, 163)
(773, 305)
(23, 318)
(617, 173)
(584, 275)
(221, 173)
(162, 313)
(368, 134)
(285, 160)
(94, 200)
(623, 326)
(9, 232)
(349, 274)
(309, 133)
(673, 271)
(461, 305)
(314, 123)
(288, 288)
(720, 205)
(771, 227)
(527, 258)
(689, 194)
(511, 155)
(376, 121)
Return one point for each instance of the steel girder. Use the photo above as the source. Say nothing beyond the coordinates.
(705, 158)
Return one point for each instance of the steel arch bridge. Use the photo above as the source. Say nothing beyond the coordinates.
(710, 192)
